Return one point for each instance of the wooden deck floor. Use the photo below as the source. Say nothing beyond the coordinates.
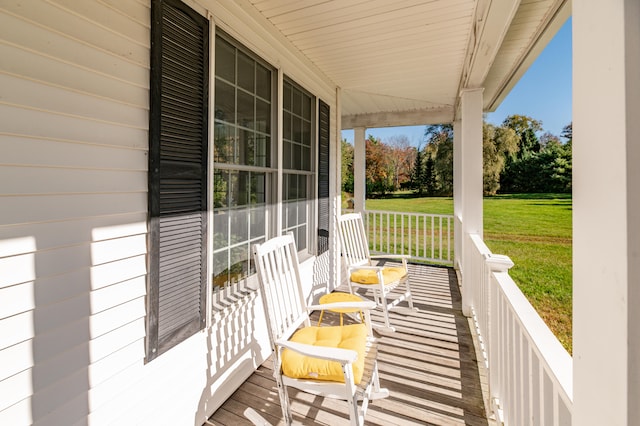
(429, 366)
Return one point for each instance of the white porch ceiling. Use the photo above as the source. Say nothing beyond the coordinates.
(404, 62)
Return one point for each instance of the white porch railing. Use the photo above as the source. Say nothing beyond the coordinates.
(530, 373)
(423, 236)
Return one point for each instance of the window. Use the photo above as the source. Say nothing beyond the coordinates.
(178, 140)
(244, 171)
(298, 110)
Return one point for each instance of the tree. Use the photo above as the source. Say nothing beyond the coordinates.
(525, 128)
(517, 175)
(440, 147)
(379, 170)
(347, 166)
(429, 177)
(498, 144)
(400, 158)
(417, 174)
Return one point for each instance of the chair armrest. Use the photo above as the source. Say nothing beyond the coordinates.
(391, 256)
(364, 305)
(353, 268)
(343, 356)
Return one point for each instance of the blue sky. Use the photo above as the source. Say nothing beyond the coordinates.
(543, 92)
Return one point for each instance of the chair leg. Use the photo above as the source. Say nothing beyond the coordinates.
(377, 392)
(282, 393)
(385, 309)
(354, 414)
(409, 295)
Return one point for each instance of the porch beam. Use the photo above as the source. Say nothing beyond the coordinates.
(359, 169)
(471, 176)
(492, 21)
(606, 264)
(417, 117)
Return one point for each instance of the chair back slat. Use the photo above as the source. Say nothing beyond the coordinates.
(279, 278)
(353, 239)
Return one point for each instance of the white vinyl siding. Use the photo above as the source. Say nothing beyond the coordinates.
(73, 173)
(74, 107)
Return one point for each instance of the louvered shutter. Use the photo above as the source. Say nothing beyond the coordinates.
(177, 174)
(323, 177)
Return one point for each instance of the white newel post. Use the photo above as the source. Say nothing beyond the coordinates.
(471, 166)
(496, 264)
(359, 169)
(457, 192)
(606, 191)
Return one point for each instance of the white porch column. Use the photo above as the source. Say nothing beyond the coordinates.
(359, 169)
(606, 212)
(471, 187)
(457, 192)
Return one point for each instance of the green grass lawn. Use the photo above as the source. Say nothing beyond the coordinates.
(534, 230)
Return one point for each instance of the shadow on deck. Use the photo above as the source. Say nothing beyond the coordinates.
(429, 366)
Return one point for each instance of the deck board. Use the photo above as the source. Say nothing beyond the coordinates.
(429, 366)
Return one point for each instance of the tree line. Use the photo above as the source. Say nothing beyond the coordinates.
(515, 159)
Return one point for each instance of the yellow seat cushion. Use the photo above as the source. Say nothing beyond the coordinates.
(390, 275)
(298, 366)
(337, 297)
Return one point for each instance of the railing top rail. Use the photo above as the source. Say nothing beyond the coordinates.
(450, 216)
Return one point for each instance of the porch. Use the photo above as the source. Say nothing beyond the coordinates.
(429, 365)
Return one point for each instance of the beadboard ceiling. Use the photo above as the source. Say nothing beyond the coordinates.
(402, 62)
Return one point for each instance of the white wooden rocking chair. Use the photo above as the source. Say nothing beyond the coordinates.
(333, 361)
(364, 274)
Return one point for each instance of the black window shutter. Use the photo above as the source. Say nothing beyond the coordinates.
(323, 177)
(178, 137)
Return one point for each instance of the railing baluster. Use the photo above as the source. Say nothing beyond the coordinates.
(424, 243)
(448, 238)
(440, 237)
(401, 234)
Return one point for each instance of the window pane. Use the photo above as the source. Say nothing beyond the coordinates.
(263, 116)
(263, 82)
(302, 238)
(220, 269)
(302, 211)
(306, 159)
(238, 263)
(225, 102)
(225, 60)
(286, 96)
(246, 73)
(262, 150)
(286, 125)
(306, 106)
(302, 186)
(238, 192)
(257, 222)
(297, 129)
(258, 186)
(224, 143)
(297, 102)
(246, 115)
(292, 214)
(296, 162)
(220, 229)
(286, 155)
(306, 133)
(292, 187)
(238, 228)
(220, 189)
